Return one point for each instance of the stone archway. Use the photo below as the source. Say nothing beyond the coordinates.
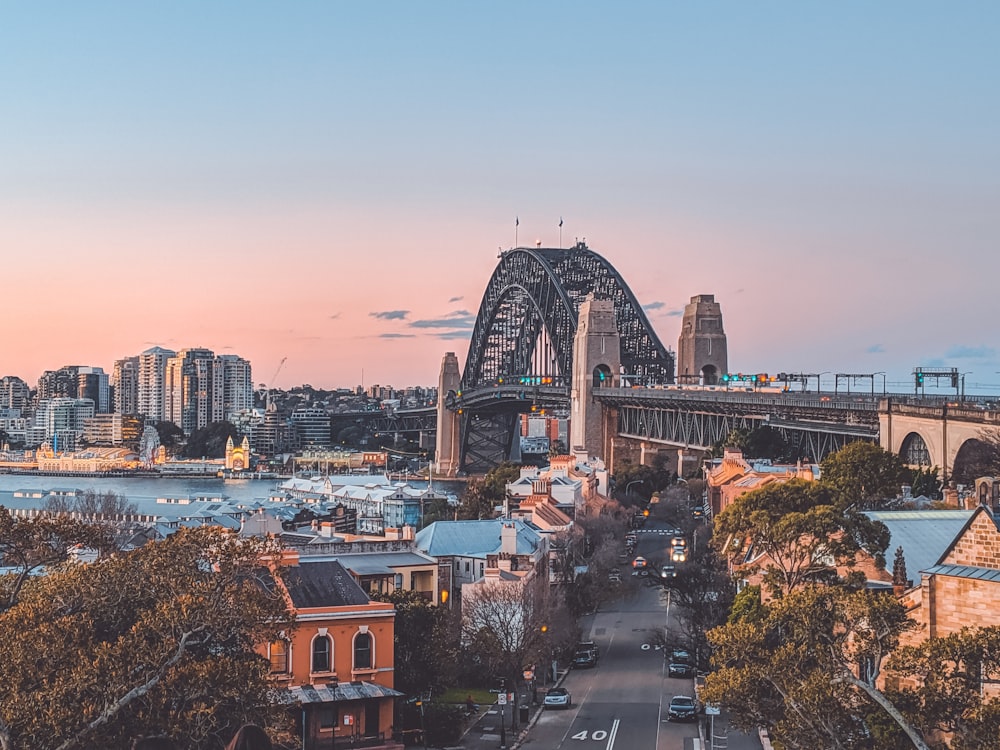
(914, 451)
(975, 458)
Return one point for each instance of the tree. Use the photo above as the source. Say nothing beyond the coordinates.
(702, 594)
(160, 639)
(799, 532)
(808, 670)
(865, 476)
(926, 482)
(481, 496)
(425, 643)
(91, 504)
(210, 440)
(950, 672)
(899, 569)
(30, 545)
(171, 436)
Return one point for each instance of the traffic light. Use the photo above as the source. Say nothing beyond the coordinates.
(920, 378)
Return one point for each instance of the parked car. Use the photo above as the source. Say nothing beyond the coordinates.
(680, 669)
(589, 646)
(680, 656)
(682, 708)
(584, 659)
(558, 698)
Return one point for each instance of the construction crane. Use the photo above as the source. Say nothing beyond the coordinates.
(265, 388)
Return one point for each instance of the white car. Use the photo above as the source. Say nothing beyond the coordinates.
(558, 698)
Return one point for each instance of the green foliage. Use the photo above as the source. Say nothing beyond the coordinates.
(481, 496)
(171, 436)
(644, 480)
(950, 671)
(160, 639)
(210, 440)
(926, 482)
(801, 531)
(864, 475)
(792, 670)
(747, 607)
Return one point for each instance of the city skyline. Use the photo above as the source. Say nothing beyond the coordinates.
(331, 184)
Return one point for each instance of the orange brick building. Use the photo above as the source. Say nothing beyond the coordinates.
(733, 476)
(337, 665)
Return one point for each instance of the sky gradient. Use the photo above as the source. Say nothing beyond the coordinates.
(330, 182)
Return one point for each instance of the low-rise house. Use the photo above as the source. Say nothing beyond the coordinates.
(732, 476)
(336, 667)
(464, 550)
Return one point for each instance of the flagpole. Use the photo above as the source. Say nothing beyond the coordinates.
(517, 222)
(560, 232)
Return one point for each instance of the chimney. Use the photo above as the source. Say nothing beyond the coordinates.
(508, 539)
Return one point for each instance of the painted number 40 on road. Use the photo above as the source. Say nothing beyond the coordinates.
(599, 735)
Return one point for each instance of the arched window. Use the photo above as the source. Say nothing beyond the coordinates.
(363, 651)
(278, 653)
(602, 376)
(322, 653)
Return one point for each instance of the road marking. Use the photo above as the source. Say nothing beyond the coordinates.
(614, 733)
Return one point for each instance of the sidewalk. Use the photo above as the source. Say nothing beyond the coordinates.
(726, 738)
(485, 734)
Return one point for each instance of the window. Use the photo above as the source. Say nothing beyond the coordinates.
(466, 567)
(363, 651)
(399, 581)
(278, 653)
(482, 566)
(321, 648)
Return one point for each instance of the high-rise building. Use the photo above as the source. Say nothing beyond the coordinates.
(61, 383)
(313, 426)
(62, 419)
(14, 393)
(236, 393)
(125, 381)
(151, 387)
(188, 389)
(92, 383)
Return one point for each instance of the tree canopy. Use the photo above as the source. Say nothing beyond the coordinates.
(160, 639)
(425, 639)
(807, 669)
(210, 440)
(798, 531)
(864, 475)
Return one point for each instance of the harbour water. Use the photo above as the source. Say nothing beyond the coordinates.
(150, 488)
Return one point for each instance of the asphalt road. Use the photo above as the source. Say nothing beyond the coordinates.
(622, 703)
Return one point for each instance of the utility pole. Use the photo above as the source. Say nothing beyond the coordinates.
(502, 701)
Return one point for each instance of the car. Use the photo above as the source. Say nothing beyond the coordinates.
(584, 660)
(589, 646)
(639, 563)
(679, 554)
(680, 669)
(668, 571)
(682, 708)
(678, 541)
(615, 576)
(698, 512)
(558, 697)
(680, 656)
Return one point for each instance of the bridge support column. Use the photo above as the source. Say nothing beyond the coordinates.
(448, 447)
(596, 364)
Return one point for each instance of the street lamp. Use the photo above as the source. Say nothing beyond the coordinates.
(634, 481)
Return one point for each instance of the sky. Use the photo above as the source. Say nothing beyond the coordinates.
(329, 183)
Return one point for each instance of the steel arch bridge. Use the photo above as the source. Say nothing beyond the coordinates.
(521, 350)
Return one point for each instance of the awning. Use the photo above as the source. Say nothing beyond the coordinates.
(343, 691)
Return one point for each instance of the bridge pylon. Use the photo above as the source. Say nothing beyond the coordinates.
(447, 454)
(596, 364)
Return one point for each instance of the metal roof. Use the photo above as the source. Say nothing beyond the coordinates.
(924, 535)
(473, 538)
(965, 571)
(343, 691)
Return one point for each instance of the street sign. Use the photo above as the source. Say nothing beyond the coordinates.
(502, 699)
(711, 710)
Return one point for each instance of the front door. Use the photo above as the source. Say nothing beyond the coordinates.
(371, 719)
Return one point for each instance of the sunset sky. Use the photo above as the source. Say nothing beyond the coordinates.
(330, 182)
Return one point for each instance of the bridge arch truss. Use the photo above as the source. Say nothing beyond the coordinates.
(527, 319)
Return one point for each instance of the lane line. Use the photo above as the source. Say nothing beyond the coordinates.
(614, 733)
